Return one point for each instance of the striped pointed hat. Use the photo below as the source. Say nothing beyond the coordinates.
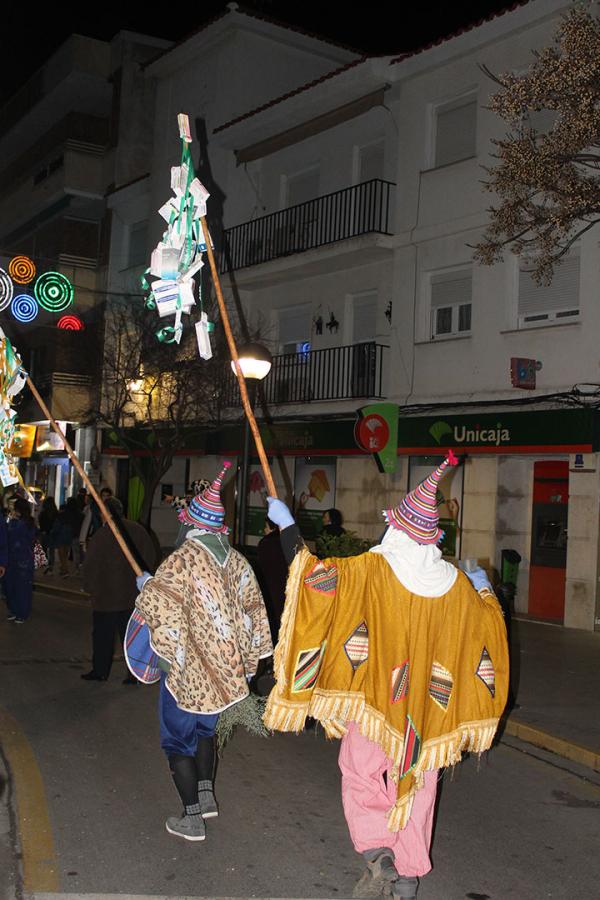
(205, 510)
(417, 514)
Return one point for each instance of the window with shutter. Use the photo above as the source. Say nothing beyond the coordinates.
(451, 297)
(294, 329)
(364, 325)
(544, 304)
(455, 131)
(370, 162)
(138, 234)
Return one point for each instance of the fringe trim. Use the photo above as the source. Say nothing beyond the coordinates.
(281, 715)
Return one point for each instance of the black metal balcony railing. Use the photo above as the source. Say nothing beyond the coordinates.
(338, 373)
(357, 210)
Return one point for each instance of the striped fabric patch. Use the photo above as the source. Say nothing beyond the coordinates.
(440, 685)
(485, 671)
(412, 748)
(307, 668)
(322, 579)
(400, 682)
(357, 646)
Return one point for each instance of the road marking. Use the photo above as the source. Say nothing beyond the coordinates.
(40, 867)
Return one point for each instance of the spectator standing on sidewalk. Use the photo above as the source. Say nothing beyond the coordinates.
(272, 575)
(208, 623)
(61, 538)
(332, 523)
(110, 581)
(18, 580)
(46, 520)
(92, 520)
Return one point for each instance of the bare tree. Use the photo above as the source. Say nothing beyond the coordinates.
(547, 180)
(152, 391)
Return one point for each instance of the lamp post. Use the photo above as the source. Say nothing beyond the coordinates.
(255, 363)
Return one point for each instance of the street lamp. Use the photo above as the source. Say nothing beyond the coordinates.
(255, 363)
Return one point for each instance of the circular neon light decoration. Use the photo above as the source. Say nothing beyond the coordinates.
(70, 323)
(24, 308)
(53, 291)
(21, 269)
(6, 290)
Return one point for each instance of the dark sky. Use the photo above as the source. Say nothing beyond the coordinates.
(31, 34)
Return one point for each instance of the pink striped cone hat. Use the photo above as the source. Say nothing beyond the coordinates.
(205, 510)
(417, 513)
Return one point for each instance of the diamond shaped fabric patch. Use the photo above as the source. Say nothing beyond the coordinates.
(322, 579)
(412, 748)
(440, 685)
(357, 645)
(485, 671)
(307, 668)
(400, 682)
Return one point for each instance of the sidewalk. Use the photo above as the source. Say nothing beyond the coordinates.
(555, 679)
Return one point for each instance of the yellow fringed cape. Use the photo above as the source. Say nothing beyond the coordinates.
(425, 678)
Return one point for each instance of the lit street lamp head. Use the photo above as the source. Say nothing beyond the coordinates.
(255, 361)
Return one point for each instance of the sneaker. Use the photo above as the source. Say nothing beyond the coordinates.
(405, 888)
(11, 617)
(19, 621)
(206, 800)
(191, 828)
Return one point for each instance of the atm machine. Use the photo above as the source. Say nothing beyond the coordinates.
(547, 574)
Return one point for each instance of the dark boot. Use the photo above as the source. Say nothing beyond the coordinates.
(405, 888)
(380, 875)
(205, 767)
(185, 776)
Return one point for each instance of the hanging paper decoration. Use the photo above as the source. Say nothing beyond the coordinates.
(6, 290)
(70, 323)
(54, 291)
(21, 269)
(12, 380)
(178, 256)
(24, 308)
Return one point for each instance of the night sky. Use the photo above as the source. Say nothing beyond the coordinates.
(31, 34)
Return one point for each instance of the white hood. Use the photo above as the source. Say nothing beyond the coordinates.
(419, 567)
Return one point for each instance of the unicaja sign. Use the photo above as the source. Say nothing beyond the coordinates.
(463, 434)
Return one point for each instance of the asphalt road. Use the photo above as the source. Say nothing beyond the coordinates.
(513, 825)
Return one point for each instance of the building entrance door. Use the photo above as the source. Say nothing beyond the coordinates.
(549, 540)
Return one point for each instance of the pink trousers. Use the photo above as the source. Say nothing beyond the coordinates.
(367, 798)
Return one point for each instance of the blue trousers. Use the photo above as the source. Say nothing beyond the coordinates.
(180, 730)
(18, 585)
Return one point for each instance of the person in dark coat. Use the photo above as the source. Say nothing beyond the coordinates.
(46, 520)
(272, 575)
(110, 581)
(18, 580)
(332, 523)
(61, 538)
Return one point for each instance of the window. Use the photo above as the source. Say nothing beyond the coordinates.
(294, 329)
(550, 303)
(451, 294)
(364, 353)
(302, 186)
(371, 161)
(455, 131)
(138, 234)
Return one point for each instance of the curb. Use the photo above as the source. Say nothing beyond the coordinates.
(58, 589)
(560, 746)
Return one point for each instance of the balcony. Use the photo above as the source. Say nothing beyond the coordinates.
(338, 373)
(360, 210)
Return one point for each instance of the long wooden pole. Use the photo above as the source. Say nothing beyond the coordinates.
(70, 453)
(236, 361)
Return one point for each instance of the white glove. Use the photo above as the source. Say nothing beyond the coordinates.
(279, 513)
(142, 579)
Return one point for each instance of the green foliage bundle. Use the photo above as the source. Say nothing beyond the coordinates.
(347, 544)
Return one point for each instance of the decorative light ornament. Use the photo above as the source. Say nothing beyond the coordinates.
(21, 269)
(70, 323)
(6, 290)
(54, 292)
(24, 308)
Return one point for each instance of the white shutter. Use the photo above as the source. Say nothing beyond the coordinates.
(138, 236)
(451, 288)
(560, 296)
(455, 133)
(294, 325)
(371, 159)
(303, 187)
(364, 325)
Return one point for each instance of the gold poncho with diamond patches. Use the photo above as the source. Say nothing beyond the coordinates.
(426, 678)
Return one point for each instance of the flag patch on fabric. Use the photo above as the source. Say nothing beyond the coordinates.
(412, 748)
(322, 579)
(440, 685)
(485, 671)
(357, 646)
(307, 668)
(400, 682)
